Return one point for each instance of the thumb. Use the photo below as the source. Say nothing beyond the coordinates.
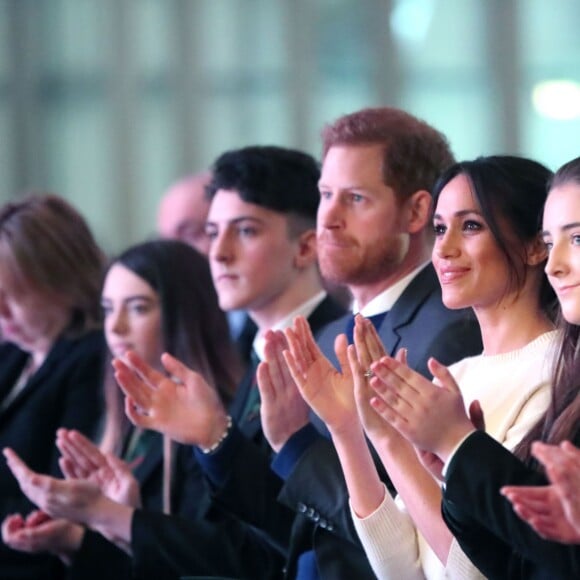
(442, 374)
(476, 415)
(17, 466)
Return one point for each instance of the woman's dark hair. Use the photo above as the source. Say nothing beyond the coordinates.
(511, 189)
(562, 419)
(194, 329)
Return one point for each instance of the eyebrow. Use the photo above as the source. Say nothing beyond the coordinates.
(460, 213)
(564, 228)
(133, 298)
(237, 220)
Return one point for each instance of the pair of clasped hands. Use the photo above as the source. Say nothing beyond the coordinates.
(372, 392)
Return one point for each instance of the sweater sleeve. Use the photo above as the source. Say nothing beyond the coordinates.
(459, 566)
(389, 539)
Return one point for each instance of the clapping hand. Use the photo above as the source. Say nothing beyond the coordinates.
(39, 533)
(430, 416)
(182, 406)
(82, 459)
(328, 392)
(552, 510)
(283, 410)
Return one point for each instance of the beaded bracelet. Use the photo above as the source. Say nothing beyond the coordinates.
(221, 437)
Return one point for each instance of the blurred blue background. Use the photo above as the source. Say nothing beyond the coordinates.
(106, 102)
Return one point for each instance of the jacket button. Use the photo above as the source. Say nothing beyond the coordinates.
(301, 508)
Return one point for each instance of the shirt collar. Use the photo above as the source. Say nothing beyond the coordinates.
(387, 298)
(305, 309)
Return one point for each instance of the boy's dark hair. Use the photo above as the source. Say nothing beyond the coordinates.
(280, 179)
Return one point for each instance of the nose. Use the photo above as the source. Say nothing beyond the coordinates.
(556, 265)
(330, 212)
(446, 245)
(117, 322)
(221, 248)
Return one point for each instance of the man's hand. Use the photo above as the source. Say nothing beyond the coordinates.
(184, 407)
(328, 391)
(282, 410)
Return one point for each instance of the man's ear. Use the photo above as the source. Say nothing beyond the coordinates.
(306, 254)
(418, 212)
(536, 251)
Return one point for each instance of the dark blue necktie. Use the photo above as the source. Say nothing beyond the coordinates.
(376, 319)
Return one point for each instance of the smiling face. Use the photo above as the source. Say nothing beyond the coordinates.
(471, 268)
(252, 256)
(561, 233)
(361, 233)
(132, 315)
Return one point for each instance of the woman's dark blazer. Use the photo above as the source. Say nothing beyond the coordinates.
(64, 392)
(497, 541)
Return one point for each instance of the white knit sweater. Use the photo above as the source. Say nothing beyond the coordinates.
(514, 390)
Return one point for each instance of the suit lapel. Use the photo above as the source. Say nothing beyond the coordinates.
(404, 309)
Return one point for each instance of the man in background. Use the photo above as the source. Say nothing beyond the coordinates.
(183, 211)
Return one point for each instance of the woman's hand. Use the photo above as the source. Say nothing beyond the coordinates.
(184, 407)
(552, 510)
(38, 533)
(82, 459)
(430, 416)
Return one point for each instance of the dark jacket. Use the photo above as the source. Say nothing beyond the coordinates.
(490, 533)
(64, 392)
